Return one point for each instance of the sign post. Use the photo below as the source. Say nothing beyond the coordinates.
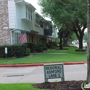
(6, 51)
(52, 71)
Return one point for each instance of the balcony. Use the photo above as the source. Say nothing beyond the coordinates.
(25, 19)
(48, 32)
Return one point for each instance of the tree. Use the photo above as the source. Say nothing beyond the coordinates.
(64, 36)
(71, 13)
(60, 34)
(88, 42)
(73, 37)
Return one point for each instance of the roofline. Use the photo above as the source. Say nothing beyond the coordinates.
(30, 5)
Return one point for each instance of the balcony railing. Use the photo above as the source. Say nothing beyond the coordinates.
(48, 32)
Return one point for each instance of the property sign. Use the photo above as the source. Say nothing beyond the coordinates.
(5, 50)
(52, 71)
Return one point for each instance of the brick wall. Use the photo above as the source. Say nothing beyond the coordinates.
(4, 23)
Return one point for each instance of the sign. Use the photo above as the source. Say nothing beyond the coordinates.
(5, 50)
(52, 71)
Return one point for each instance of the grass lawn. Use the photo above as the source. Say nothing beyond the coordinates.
(18, 86)
(67, 55)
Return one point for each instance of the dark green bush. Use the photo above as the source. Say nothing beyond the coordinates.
(43, 40)
(51, 44)
(31, 46)
(44, 47)
(2, 51)
(27, 51)
(13, 51)
(39, 48)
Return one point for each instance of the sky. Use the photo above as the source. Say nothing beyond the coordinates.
(38, 8)
(35, 4)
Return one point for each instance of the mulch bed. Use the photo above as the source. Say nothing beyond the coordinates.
(65, 85)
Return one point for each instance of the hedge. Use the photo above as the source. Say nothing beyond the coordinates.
(13, 50)
(31, 46)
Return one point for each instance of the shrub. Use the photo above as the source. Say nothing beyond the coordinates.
(13, 50)
(43, 40)
(27, 51)
(51, 44)
(2, 51)
(44, 47)
(39, 48)
(31, 46)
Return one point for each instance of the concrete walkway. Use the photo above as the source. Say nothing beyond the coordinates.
(35, 74)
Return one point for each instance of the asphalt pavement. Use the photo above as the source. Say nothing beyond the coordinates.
(35, 74)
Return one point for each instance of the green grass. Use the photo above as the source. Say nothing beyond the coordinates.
(68, 55)
(65, 50)
(18, 86)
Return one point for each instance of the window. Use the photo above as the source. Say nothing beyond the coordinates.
(15, 38)
(29, 15)
(26, 14)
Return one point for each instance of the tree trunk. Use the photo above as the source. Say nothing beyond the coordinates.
(81, 42)
(61, 47)
(88, 42)
(65, 42)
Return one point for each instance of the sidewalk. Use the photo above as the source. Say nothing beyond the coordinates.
(35, 74)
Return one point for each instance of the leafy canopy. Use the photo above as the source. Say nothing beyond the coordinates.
(65, 11)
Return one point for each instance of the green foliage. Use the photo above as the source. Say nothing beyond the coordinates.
(31, 46)
(39, 48)
(43, 40)
(44, 47)
(68, 15)
(27, 51)
(13, 51)
(57, 40)
(62, 11)
(73, 37)
(51, 44)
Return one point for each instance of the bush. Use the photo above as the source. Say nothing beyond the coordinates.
(31, 46)
(44, 47)
(43, 40)
(27, 51)
(51, 44)
(2, 51)
(39, 48)
(13, 50)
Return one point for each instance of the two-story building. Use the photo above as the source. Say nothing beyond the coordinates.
(17, 16)
(42, 27)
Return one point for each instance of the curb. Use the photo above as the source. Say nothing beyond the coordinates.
(21, 65)
(39, 64)
(74, 63)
